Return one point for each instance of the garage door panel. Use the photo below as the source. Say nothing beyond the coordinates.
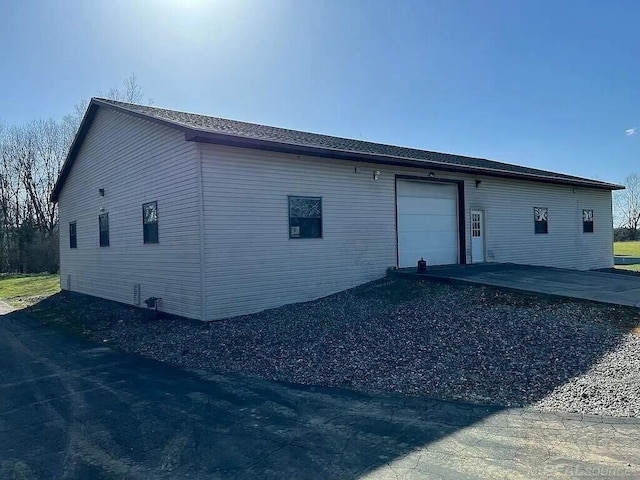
(421, 206)
(438, 256)
(427, 223)
(408, 188)
(430, 239)
(414, 242)
(433, 239)
(431, 223)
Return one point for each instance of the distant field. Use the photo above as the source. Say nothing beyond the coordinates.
(627, 248)
(24, 290)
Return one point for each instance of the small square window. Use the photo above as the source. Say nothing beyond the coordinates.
(103, 220)
(587, 221)
(150, 222)
(541, 220)
(305, 217)
(73, 239)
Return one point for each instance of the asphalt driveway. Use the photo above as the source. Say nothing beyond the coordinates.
(597, 286)
(73, 409)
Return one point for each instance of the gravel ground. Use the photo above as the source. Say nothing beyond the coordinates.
(450, 342)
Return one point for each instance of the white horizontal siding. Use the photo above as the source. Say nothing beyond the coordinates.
(135, 161)
(509, 223)
(251, 264)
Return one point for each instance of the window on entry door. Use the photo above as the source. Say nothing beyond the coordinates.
(475, 225)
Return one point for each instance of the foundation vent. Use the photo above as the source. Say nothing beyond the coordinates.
(136, 294)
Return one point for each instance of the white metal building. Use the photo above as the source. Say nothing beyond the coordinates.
(222, 218)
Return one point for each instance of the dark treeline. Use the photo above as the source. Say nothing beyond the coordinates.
(31, 156)
(622, 234)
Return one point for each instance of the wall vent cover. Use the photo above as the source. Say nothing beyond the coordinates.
(136, 294)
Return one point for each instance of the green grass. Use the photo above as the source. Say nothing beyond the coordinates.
(627, 248)
(20, 291)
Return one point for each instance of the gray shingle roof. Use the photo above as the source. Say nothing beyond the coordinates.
(220, 130)
(236, 128)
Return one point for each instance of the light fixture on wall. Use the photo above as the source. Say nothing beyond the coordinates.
(431, 174)
(374, 173)
(101, 192)
(101, 209)
(478, 182)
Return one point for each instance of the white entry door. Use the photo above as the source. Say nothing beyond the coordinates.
(477, 236)
(427, 223)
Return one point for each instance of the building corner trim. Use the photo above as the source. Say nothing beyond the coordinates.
(203, 304)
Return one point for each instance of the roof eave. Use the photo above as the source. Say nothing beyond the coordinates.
(196, 135)
(281, 147)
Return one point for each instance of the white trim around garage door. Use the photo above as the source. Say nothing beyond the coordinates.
(428, 213)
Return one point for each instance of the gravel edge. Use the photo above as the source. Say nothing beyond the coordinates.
(461, 343)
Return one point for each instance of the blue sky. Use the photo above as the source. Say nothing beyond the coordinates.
(548, 84)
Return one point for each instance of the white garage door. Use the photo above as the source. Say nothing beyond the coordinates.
(427, 223)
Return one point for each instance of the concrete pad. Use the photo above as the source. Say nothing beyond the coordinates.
(5, 308)
(610, 288)
(624, 260)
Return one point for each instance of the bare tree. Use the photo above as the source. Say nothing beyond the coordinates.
(130, 93)
(132, 90)
(16, 211)
(72, 120)
(50, 148)
(627, 206)
(31, 157)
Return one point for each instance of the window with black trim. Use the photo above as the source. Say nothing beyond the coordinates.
(305, 217)
(541, 219)
(103, 221)
(587, 221)
(73, 239)
(150, 222)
